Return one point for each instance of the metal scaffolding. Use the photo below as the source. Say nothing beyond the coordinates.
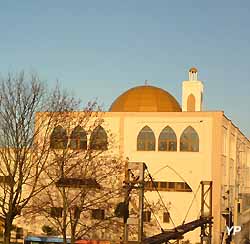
(134, 179)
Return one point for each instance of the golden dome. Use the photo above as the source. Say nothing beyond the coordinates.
(145, 99)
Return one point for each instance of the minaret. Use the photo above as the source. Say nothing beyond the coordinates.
(192, 92)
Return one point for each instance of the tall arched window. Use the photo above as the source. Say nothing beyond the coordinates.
(78, 138)
(146, 140)
(191, 103)
(189, 140)
(167, 140)
(58, 138)
(99, 139)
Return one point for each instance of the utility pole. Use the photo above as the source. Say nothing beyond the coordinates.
(206, 204)
(134, 179)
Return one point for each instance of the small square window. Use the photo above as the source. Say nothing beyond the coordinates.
(148, 185)
(146, 216)
(6, 179)
(163, 185)
(98, 214)
(77, 212)
(179, 186)
(19, 233)
(155, 184)
(166, 217)
(171, 185)
(56, 212)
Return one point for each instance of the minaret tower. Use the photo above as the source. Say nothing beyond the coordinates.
(192, 92)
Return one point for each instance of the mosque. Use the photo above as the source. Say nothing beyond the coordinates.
(183, 145)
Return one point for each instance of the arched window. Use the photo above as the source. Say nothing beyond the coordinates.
(99, 139)
(167, 140)
(191, 103)
(58, 138)
(78, 138)
(189, 140)
(146, 140)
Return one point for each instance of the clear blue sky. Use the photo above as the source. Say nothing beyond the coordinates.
(98, 49)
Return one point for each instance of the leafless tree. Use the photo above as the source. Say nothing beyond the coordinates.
(87, 172)
(24, 158)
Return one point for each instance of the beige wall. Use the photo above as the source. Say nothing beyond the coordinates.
(236, 173)
(191, 166)
(216, 160)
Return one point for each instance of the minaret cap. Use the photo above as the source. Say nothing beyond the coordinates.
(193, 74)
(193, 70)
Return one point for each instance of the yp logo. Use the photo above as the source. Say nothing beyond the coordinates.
(233, 229)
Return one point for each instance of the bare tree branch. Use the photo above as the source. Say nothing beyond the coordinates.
(23, 154)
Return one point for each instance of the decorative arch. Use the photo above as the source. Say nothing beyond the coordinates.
(58, 138)
(191, 103)
(189, 141)
(78, 139)
(167, 140)
(99, 139)
(146, 139)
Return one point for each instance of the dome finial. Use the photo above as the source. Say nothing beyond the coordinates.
(146, 82)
